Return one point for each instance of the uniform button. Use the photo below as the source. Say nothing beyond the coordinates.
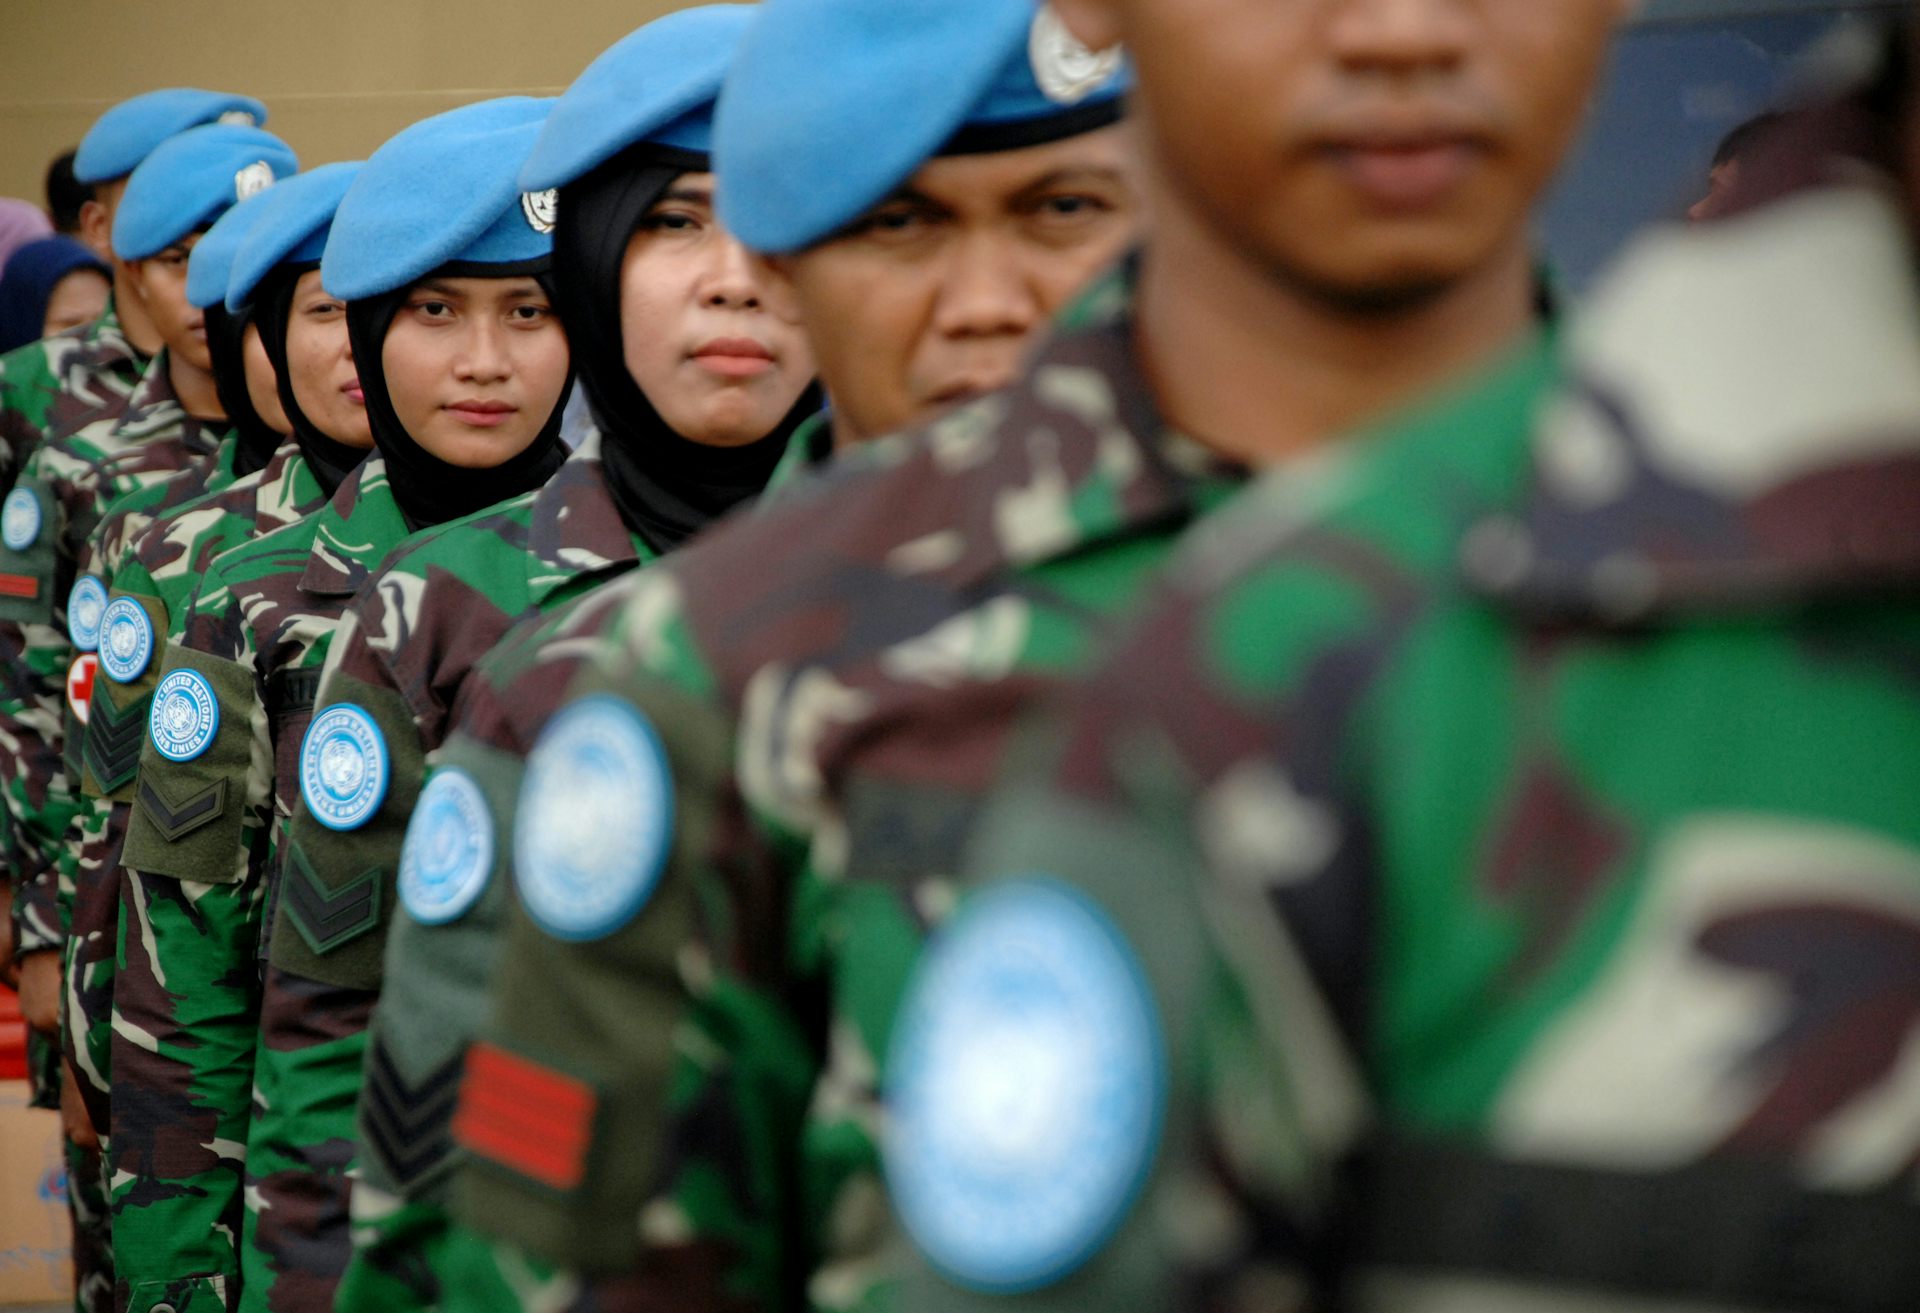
(1624, 587)
(1498, 554)
(1583, 456)
(162, 1308)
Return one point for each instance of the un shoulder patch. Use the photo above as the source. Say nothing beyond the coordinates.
(344, 768)
(1026, 1084)
(185, 715)
(20, 520)
(449, 849)
(86, 605)
(595, 820)
(126, 640)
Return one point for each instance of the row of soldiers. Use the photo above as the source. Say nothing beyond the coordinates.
(1226, 751)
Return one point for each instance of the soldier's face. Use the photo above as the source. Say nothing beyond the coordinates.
(182, 325)
(475, 367)
(698, 329)
(320, 368)
(79, 298)
(262, 389)
(1364, 151)
(933, 296)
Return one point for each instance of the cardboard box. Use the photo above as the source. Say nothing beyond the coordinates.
(36, 1258)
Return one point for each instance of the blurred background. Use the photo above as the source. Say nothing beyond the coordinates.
(343, 75)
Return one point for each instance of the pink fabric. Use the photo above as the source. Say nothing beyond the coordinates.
(20, 222)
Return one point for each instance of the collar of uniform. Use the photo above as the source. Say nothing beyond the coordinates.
(154, 414)
(1740, 425)
(575, 528)
(355, 530)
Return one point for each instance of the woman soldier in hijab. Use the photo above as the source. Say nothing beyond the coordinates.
(460, 360)
(696, 387)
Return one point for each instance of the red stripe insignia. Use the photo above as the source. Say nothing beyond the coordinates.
(19, 585)
(526, 1117)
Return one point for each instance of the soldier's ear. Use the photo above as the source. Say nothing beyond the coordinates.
(775, 277)
(96, 228)
(1094, 23)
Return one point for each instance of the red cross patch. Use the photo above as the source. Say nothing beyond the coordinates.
(80, 684)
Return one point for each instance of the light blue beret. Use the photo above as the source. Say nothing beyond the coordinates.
(657, 84)
(191, 179)
(211, 264)
(126, 134)
(294, 221)
(445, 189)
(831, 105)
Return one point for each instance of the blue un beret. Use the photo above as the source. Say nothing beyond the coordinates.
(445, 189)
(126, 134)
(295, 219)
(656, 84)
(193, 178)
(211, 263)
(832, 104)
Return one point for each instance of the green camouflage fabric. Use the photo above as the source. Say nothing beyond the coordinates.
(76, 479)
(58, 384)
(411, 642)
(102, 732)
(200, 842)
(681, 1108)
(1505, 845)
(159, 1204)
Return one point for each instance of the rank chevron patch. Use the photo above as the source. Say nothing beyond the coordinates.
(409, 1126)
(114, 736)
(327, 918)
(175, 821)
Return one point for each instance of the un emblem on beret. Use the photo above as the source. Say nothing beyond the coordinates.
(1028, 1078)
(243, 117)
(86, 605)
(1066, 70)
(541, 208)
(449, 849)
(185, 715)
(20, 519)
(343, 767)
(595, 820)
(252, 180)
(126, 640)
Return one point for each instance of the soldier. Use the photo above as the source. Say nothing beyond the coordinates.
(158, 573)
(696, 387)
(728, 847)
(1489, 876)
(65, 489)
(463, 366)
(58, 383)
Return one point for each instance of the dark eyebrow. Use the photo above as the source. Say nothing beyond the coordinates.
(1072, 173)
(687, 196)
(435, 286)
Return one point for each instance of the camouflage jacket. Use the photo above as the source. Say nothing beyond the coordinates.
(66, 488)
(59, 383)
(210, 793)
(1490, 877)
(797, 716)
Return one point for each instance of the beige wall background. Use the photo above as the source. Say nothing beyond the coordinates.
(340, 76)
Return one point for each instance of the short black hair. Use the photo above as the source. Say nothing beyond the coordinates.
(1740, 142)
(65, 195)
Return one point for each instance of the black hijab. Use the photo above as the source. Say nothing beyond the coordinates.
(226, 343)
(428, 489)
(330, 461)
(667, 487)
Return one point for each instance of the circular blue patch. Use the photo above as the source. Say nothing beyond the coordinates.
(86, 606)
(595, 820)
(20, 519)
(185, 715)
(448, 854)
(126, 640)
(343, 767)
(1026, 1083)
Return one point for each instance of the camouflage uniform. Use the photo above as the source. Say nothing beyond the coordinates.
(163, 1220)
(1511, 830)
(58, 384)
(73, 479)
(832, 679)
(201, 839)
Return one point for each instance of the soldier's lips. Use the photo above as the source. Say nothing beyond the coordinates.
(1405, 172)
(734, 357)
(483, 414)
(354, 394)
